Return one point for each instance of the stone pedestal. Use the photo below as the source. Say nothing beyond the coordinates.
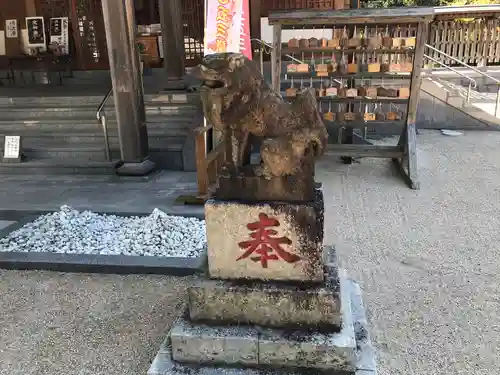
(273, 301)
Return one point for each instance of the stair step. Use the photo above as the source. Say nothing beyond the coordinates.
(57, 167)
(164, 98)
(90, 124)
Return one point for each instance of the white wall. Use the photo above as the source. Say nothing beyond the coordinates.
(267, 32)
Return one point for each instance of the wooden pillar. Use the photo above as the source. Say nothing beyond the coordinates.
(119, 23)
(173, 38)
(30, 9)
(255, 13)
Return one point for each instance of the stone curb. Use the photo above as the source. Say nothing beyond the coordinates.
(88, 263)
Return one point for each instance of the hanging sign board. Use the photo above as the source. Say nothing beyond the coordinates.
(36, 33)
(11, 30)
(227, 27)
(59, 33)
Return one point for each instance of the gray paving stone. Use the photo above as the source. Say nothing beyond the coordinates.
(218, 345)
(326, 351)
(267, 304)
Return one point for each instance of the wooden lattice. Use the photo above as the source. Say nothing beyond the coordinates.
(193, 21)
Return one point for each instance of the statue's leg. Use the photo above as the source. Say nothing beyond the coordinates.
(240, 148)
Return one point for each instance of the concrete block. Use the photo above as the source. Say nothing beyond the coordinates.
(268, 304)
(214, 345)
(317, 350)
(266, 241)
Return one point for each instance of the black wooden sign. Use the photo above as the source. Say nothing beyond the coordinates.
(56, 27)
(36, 30)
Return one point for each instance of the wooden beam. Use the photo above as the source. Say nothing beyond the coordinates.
(367, 151)
(408, 165)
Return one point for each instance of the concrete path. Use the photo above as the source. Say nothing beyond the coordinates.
(428, 262)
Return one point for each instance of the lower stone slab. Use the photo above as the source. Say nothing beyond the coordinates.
(230, 345)
(268, 304)
(163, 363)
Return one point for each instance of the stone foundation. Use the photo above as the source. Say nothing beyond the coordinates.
(361, 359)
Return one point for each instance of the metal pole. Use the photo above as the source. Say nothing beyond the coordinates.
(497, 105)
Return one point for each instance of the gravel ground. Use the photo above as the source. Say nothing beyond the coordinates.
(80, 324)
(428, 263)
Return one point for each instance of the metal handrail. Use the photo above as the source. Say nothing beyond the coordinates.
(472, 81)
(497, 81)
(101, 118)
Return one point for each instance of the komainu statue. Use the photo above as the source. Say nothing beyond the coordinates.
(238, 102)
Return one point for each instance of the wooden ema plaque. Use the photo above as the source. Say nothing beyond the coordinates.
(391, 116)
(329, 116)
(313, 42)
(334, 43)
(369, 116)
(291, 92)
(291, 68)
(331, 92)
(410, 42)
(293, 43)
(349, 116)
(304, 43)
(303, 68)
(404, 92)
(351, 93)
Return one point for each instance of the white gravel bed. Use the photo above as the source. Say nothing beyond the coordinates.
(69, 231)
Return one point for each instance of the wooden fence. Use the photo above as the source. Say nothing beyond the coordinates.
(475, 42)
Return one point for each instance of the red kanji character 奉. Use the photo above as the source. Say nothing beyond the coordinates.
(263, 244)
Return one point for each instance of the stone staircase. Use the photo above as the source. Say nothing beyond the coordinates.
(61, 135)
(443, 103)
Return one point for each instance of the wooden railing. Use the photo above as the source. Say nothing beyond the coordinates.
(475, 42)
(208, 161)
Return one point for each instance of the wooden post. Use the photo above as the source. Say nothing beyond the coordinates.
(119, 22)
(255, 8)
(173, 38)
(276, 58)
(408, 140)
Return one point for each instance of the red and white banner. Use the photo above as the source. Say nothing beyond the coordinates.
(227, 27)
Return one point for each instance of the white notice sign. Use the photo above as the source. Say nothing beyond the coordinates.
(59, 33)
(12, 147)
(11, 29)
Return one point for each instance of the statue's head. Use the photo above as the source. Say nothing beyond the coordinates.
(223, 73)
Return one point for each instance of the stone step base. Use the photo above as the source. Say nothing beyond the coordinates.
(267, 303)
(363, 358)
(259, 346)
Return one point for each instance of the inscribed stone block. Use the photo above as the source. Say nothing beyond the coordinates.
(266, 241)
